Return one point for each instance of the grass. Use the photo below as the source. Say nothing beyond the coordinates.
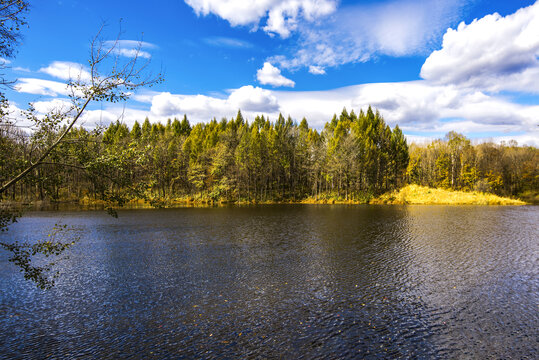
(410, 194)
(415, 194)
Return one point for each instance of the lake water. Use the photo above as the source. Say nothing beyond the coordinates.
(285, 282)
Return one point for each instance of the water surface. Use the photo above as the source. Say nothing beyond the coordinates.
(295, 281)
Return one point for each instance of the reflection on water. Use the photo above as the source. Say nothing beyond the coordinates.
(282, 281)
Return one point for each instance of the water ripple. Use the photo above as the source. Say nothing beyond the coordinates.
(306, 282)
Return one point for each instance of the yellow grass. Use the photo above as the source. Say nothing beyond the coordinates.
(312, 200)
(415, 194)
(410, 194)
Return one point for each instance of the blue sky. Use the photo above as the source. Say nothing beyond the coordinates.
(410, 59)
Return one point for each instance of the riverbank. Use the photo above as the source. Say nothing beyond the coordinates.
(410, 194)
(422, 195)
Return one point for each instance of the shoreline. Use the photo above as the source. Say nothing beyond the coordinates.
(408, 195)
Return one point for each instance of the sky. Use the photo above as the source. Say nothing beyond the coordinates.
(429, 66)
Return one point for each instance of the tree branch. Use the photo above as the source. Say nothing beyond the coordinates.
(47, 152)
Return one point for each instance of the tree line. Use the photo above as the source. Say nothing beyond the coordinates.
(353, 158)
(233, 159)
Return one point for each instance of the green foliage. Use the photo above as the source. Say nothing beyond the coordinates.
(32, 258)
(235, 160)
(226, 160)
(264, 160)
(136, 131)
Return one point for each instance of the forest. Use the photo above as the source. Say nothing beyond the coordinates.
(354, 158)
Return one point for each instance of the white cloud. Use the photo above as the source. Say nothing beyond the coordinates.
(130, 48)
(131, 44)
(282, 16)
(270, 75)
(493, 53)
(91, 118)
(111, 113)
(236, 12)
(227, 42)
(66, 70)
(398, 27)
(422, 109)
(21, 69)
(418, 107)
(530, 140)
(144, 96)
(459, 94)
(251, 100)
(331, 37)
(57, 105)
(200, 106)
(357, 33)
(131, 53)
(41, 87)
(317, 70)
(19, 117)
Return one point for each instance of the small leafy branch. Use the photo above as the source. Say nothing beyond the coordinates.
(23, 255)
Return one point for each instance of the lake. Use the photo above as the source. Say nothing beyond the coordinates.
(281, 281)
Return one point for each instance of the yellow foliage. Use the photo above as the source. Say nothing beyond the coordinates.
(415, 194)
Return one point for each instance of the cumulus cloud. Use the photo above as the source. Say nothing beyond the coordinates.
(57, 105)
(357, 33)
(41, 87)
(270, 75)
(493, 53)
(252, 100)
(92, 117)
(418, 107)
(281, 16)
(459, 90)
(66, 70)
(19, 118)
(127, 115)
(422, 109)
(205, 107)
